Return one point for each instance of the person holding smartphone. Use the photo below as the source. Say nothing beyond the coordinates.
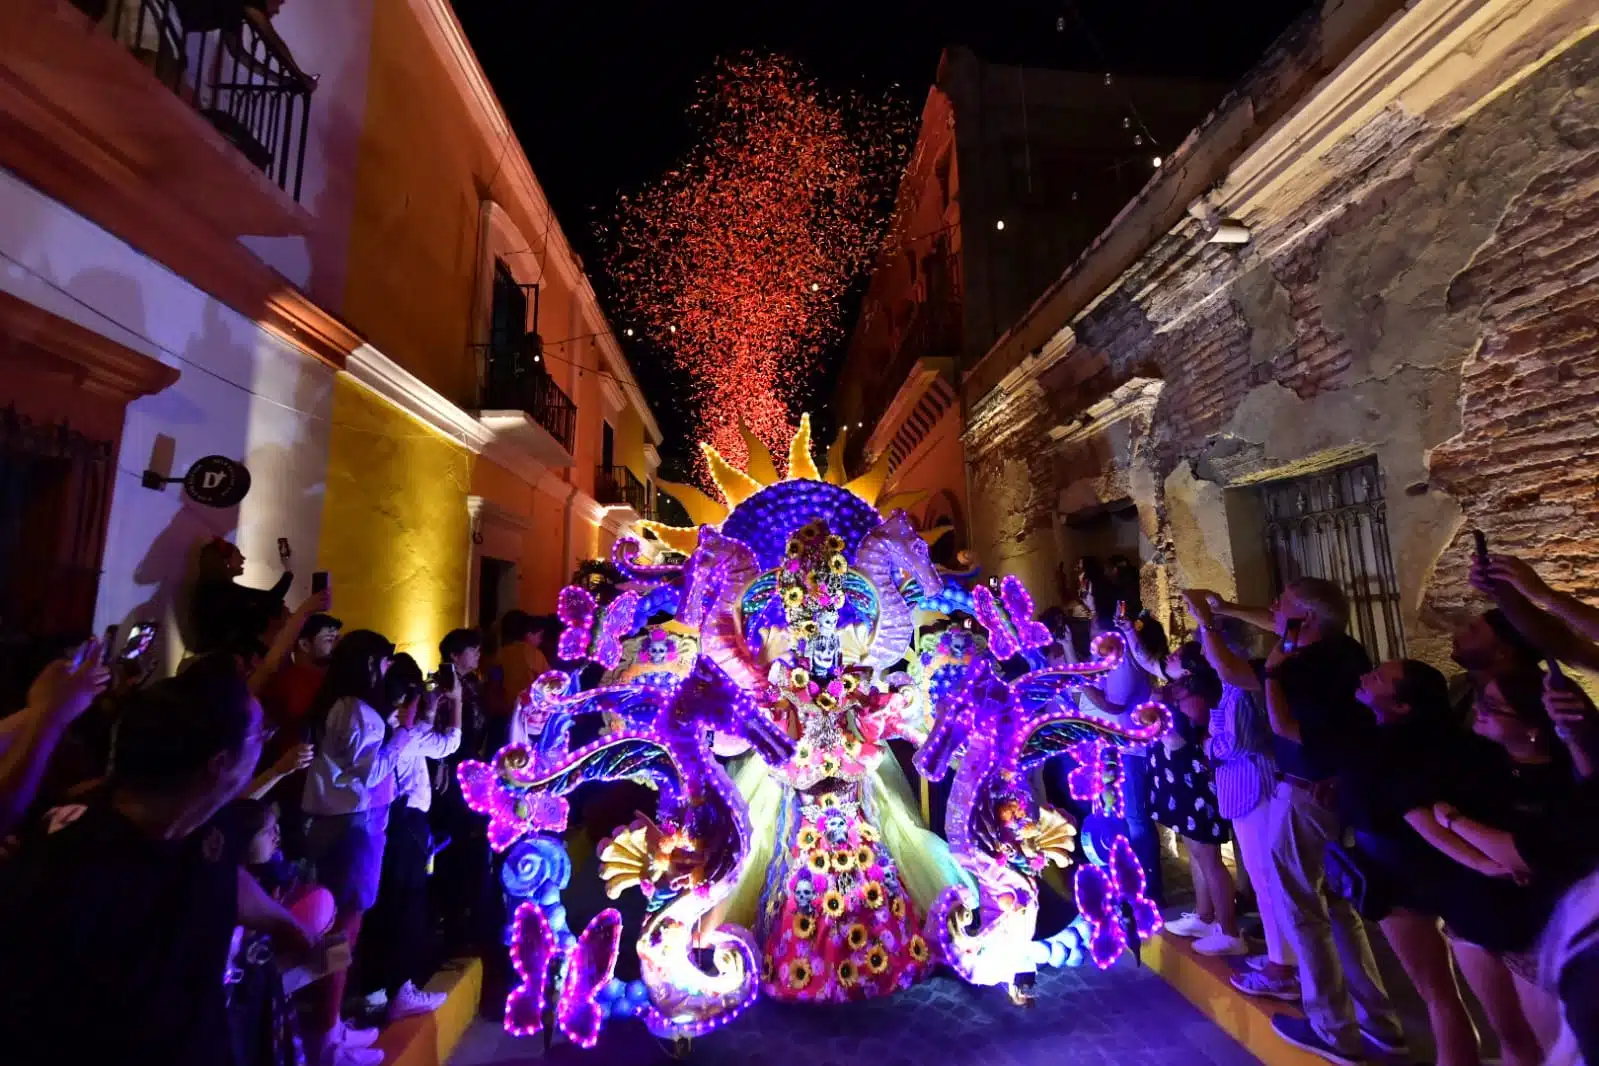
(1309, 682)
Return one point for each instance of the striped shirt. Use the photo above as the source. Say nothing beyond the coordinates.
(1240, 753)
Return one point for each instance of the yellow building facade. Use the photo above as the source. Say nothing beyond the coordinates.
(490, 436)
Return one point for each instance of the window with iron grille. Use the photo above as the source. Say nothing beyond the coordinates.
(1334, 525)
(54, 493)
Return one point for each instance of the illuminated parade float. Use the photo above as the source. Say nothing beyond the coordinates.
(754, 673)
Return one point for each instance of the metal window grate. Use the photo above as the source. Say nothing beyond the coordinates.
(1334, 525)
(54, 493)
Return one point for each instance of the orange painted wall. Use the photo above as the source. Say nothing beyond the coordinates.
(422, 174)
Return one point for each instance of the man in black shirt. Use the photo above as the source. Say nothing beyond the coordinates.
(119, 912)
(1309, 681)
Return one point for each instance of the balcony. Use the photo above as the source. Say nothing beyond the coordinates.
(617, 486)
(107, 104)
(522, 402)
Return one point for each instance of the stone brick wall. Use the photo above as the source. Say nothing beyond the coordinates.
(1437, 305)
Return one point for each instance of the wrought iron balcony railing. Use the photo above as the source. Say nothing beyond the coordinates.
(617, 486)
(515, 379)
(243, 81)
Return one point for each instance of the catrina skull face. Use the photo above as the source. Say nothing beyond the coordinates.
(660, 648)
(958, 642)
(835, 827)
(804, 893)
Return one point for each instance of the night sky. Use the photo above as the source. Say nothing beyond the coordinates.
(597, 92)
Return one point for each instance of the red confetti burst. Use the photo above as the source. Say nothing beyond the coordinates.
(736, 262)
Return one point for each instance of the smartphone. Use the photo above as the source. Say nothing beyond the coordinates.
(283, 549)
(446, 676)
(319, 581)
(1555, 671)
(1482, 545)
(109, 651)
(140, 637)
(1291, 633)
(1121, 609)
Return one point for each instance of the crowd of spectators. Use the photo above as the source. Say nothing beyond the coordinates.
(259, 860)
(1462, 823)
(256, 859)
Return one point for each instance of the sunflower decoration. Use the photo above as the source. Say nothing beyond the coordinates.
(874, 895)
(897, 908)
(877, 959)
(798, 677)
(833, 904)
(843, 861)
(850, 683)
(804, 926)
(803, 752)
(808, 838)
(828, 801)
(919, 950)
(848, 973)
(829, 765)
(857, 936)
(812, 576)
(866, 833)
(799, 975)
(864, 856)
(817, 862)
(826, 701)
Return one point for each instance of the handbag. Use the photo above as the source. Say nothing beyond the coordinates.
(1356, 876)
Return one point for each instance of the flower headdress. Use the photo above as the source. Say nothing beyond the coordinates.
(811, 576)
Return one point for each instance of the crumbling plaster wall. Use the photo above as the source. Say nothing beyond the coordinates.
(1468, 256)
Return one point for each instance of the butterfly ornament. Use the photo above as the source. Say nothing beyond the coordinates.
(594, 633)
(1008, 619)
(565, 978)
(1111, 901)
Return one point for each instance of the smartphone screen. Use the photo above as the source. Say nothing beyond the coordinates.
(319, 581)
(109, 650)
(283, 548)
(1481, 544)
(140, 638)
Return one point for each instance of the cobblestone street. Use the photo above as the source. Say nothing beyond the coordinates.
(1127, 1016)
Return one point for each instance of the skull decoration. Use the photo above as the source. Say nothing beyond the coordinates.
(804, 893)
(835, 827)
(660, 648)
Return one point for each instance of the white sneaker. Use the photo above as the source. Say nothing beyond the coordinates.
(354, 1037)
(1192, 926)
(375, 1002)
(334, 1053)
(408, 1001)
(1219, 943)
(1258, 963)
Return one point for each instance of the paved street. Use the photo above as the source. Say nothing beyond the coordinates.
(1125, 1016)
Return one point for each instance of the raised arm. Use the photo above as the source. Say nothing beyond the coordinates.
(61, 693)
(1545, 630)
(288, 633)
(1278, 711)
(1580, 617)
(1259, 617)
(1231, 667)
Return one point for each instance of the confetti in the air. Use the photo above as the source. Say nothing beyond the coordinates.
(736, 262)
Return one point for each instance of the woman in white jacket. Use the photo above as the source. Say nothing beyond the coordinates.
(349, 788)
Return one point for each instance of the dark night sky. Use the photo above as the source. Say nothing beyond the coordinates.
(597, 91)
